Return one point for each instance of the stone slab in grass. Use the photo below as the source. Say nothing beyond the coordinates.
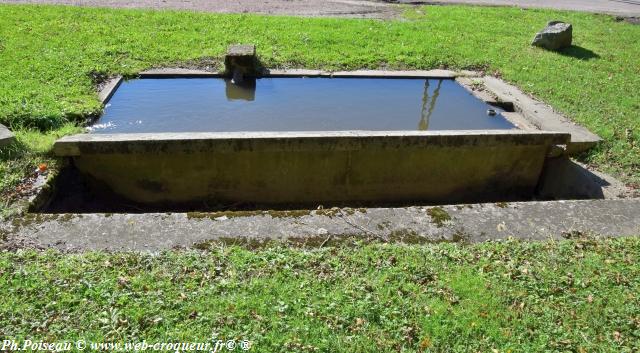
(6, 136)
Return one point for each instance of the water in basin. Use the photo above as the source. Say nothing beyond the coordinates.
(294, 104)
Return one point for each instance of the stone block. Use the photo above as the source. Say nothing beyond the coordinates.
(6, 136)
(241, 58)
(555, 36)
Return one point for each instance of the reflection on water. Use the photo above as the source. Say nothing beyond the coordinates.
(243, 90)
(425, 113)
(294, 104)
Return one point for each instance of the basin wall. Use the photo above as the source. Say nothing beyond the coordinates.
(314, 168)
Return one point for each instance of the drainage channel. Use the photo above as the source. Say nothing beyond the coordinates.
(70, 191)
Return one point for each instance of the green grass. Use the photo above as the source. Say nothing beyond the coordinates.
(578, 295)
(570, 296)
(21, 159)
(52, 57)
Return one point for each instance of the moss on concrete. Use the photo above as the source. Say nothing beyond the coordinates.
(331, 212)
(439, 216)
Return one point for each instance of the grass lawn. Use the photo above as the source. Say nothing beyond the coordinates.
(570, 296)
(52, 57)
(574, 296)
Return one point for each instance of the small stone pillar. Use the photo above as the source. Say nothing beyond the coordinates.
(241, 62)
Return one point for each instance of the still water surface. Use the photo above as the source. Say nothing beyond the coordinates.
(294, 104)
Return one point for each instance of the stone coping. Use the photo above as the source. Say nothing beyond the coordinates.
(435, 74)
(109, 88)
(75, 145)
(530, 114)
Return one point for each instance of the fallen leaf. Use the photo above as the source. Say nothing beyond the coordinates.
(425, 343)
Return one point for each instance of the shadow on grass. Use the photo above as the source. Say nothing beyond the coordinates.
(13, 151)
(579, 52)
(14, 166)
(15, 159)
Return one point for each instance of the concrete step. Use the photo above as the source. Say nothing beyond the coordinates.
(454, 223)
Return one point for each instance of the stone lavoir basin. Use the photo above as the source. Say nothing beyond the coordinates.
(299, 140)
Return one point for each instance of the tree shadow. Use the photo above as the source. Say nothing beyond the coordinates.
(13, 152)
(579, 52)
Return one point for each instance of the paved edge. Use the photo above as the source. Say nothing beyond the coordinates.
(108, 89)
(542, 115)
(531, 221)
(530, 114)
(437, 73)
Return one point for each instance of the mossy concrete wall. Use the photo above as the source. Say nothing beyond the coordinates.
(314, 168)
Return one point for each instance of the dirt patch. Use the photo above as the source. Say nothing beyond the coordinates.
(632, 20)
(310, 8)
(346, 8)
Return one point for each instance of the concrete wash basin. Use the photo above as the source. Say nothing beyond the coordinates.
(365, 159)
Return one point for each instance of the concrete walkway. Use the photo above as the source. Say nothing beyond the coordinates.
(457, 223)
(344, 8)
